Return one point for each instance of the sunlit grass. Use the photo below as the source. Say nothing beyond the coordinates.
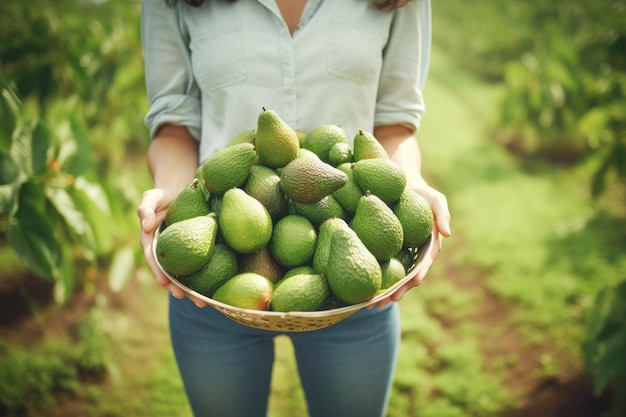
(143, 378)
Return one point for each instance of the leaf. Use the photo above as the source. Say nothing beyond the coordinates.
(65, 284)
(67, 150)
(594, 122)
(21, 147)
(35, 249)
(121, 268)
(75, 152)
(9, 170)
(93, 203)
(598, 179)
(605, 342)
(74, 220)
(31, 234)
(9, 111)
(8, 200)
(40, 137)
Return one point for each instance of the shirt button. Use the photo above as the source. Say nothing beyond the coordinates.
(287, 81)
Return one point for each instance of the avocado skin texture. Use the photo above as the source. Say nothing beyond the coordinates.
(186, 246)
(366, 146)
(353, 273)
(322, 138)
(416, 218)
(322, 248)
(308, 180)
(378, 227)
(276, 142)
(190, 202)
(380, 176)
(301, 292)
(245, 223)
(228, 168)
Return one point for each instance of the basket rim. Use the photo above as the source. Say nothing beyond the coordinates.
(422, 252)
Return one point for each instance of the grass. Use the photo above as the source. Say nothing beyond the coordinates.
(143, 380)
(37, 377)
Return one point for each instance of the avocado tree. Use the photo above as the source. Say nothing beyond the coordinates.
(564, 76)
(71, 107)
(53, 215)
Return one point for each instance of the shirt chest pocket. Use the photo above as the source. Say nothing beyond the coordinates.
(218, 58)
(354, 53)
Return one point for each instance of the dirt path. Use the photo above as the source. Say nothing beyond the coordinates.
(566, 394)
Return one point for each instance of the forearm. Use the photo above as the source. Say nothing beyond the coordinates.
(403, 149)
(172, 161)
(172, 158)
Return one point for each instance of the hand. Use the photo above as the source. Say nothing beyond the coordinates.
(151, 212)
(441, 229)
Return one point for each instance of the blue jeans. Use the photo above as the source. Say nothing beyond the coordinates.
(346, 369)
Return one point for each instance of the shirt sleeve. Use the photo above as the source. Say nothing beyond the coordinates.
(173, 94)
(405, 67)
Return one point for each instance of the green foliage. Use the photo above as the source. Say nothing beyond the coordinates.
(564, 74)
(541, 244)
(64, 76)
(605, 344)
(65, 48)
(441, 370)
(32, 380)
(49, 218)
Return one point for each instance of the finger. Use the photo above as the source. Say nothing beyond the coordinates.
(145, 211)
(148, 210)
(145, 240)
(441, 212)
(439, 205)
(381, 303)
(397, 296)
(197, 301)
(442, 220)
(175, 290)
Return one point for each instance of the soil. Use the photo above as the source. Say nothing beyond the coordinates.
(25, 300)
(569, 393)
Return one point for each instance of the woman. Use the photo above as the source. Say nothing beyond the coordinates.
(211, 66)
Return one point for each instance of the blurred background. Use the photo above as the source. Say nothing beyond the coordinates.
(524, 313)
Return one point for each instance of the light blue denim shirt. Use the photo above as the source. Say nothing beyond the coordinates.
(214, 68)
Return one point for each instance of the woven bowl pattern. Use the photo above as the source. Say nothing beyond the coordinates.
(301, 321)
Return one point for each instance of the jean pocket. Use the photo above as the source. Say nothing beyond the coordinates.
(218, 58)
(354, 52)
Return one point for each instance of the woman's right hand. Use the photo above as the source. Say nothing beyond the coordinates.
(151, 212)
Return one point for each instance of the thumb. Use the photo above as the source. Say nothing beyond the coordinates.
(147, 210)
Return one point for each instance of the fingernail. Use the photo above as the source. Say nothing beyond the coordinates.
(143, 224)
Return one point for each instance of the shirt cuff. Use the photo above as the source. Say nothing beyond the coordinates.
(176, 109)
(398, 119)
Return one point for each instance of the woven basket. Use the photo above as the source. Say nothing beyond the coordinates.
(300, 321)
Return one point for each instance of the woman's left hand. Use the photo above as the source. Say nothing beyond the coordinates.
(441, 229)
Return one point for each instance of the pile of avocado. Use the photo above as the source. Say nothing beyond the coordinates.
(284, 220)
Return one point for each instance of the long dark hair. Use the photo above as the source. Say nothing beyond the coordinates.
(386, 5)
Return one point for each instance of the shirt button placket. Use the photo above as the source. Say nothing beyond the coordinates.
(289, 84)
